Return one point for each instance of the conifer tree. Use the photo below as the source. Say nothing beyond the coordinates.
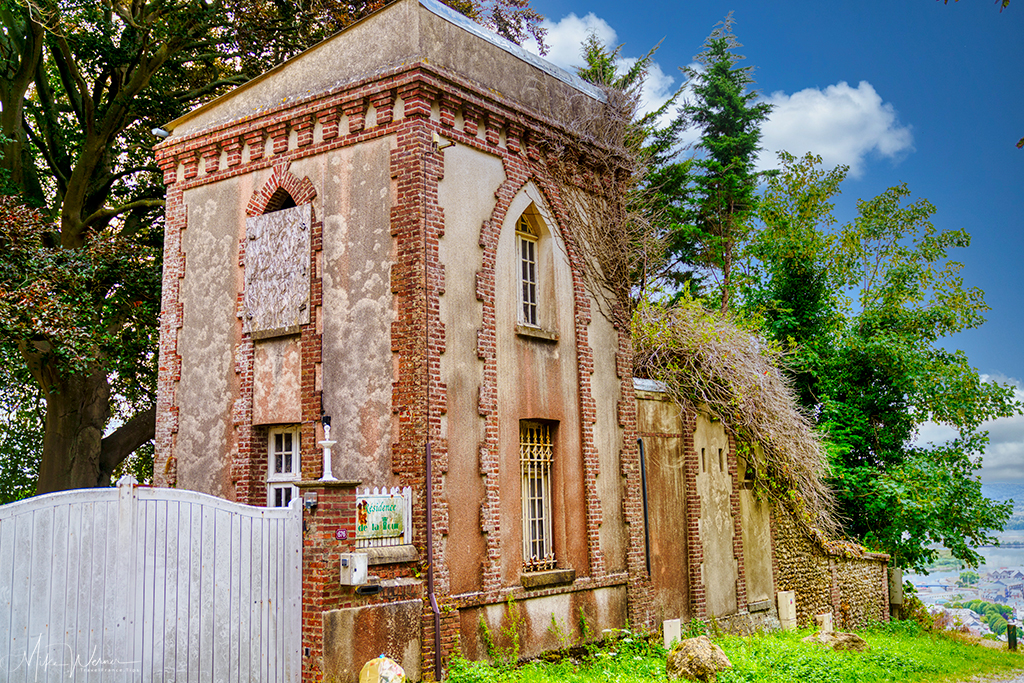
(724, 180)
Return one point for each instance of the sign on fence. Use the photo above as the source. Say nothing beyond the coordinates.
(383, 516)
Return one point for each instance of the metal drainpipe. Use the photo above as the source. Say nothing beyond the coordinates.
(430, 566)
(643, 489)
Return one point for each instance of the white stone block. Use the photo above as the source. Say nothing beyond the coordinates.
(673, 629)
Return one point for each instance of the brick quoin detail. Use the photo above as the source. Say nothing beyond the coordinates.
(694, 545)
(737, 531)
(169, 373)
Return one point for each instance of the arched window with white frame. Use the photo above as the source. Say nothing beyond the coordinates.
(526, 239)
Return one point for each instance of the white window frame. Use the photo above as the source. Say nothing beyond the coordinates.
(283, 441)
(528, 251)
(536, 459)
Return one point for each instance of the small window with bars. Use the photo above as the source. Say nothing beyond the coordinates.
(526, 236)
(282, 465)
(536, 455)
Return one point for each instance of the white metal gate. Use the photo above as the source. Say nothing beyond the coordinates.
(147, 584)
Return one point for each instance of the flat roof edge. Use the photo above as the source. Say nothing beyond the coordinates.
(470, 26)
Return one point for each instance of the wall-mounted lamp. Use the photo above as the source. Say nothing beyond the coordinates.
(438, 146)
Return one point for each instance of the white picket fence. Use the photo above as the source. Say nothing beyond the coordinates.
(146, 584)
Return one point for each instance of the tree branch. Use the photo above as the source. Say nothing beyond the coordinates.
(75, 86)
(208, 88)
(106, 214)
(123, 442)
(46, 149)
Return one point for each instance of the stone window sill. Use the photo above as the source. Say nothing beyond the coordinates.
(390, 554)
(553, 577)
(761, 606)
(536, 333)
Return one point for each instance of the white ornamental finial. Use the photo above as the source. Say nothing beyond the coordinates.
(328, 474)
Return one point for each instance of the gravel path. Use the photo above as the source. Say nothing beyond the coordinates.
(1011, 677)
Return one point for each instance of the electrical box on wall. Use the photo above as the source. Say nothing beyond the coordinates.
(353, 569)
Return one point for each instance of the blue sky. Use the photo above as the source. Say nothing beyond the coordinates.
(913, 92)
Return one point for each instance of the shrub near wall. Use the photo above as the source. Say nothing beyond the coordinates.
(829, 576)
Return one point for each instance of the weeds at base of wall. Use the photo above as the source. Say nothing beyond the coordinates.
(504, 657)
(560, 634)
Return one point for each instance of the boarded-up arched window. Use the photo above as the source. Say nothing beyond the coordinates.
(277, 254)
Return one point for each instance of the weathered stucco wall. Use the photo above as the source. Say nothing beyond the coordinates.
(755, 515)
(661, 426)
(209, 335)
(277, 395)
(466, 195)
(358, 305)
(717, 524)
(396, 633)
(841, 578)
(355, 195)
(606, 389)
(598, 610)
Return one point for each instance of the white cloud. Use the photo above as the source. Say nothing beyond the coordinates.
(844, 125)
(1004, 456)
(565, 38)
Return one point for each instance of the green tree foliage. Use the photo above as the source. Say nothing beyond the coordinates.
(82, 85)
(992, 614)
(724, 178)
(22, 413)
(968, 578)
(864, 308)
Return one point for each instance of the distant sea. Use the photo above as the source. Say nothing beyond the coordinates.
(995, 557)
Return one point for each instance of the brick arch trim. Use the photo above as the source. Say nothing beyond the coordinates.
(263, 200)
(510, 191)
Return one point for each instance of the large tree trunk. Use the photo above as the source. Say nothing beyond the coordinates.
(75, 453)
(77, 410)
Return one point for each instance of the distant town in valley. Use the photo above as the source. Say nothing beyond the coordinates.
(964, 593)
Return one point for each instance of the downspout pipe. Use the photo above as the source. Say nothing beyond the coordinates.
(430, 566)
(643, 490)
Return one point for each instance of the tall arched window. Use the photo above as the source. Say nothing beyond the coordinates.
(526, 239)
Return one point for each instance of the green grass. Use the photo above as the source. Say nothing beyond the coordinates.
(893, 656)
(899, 652)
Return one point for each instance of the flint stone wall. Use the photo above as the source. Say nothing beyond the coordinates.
(829, 576)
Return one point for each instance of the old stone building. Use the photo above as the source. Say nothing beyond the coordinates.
(369, 237)
(369, 232)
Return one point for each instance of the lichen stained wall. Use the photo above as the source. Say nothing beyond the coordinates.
(755, 516)
(717, 525)
(601, 609)
(466, 195)
(661, 425)
(358, 306)
(606, 389)
(209, 335)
